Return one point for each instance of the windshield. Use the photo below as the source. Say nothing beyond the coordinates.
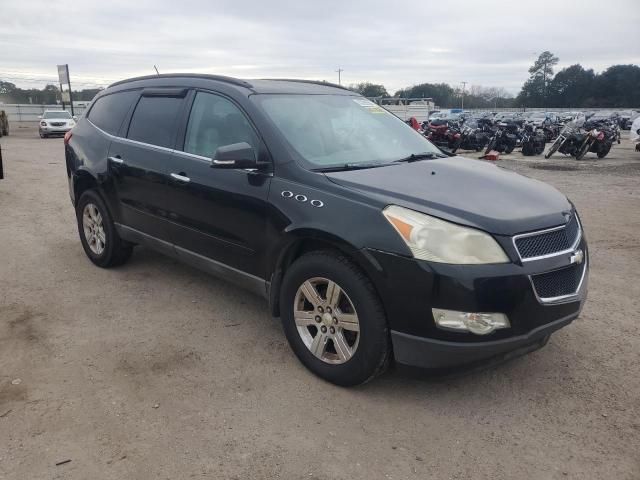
(334, 130)
(60, 114)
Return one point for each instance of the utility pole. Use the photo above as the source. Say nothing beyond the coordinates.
(464, 84)
(61, 97)
(339, 72)
(73, 114)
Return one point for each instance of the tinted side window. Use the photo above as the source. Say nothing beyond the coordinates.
(154, 120)
(109, 111)
(214, 122)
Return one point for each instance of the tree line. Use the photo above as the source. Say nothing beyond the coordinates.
(49, 95)
(573, 86)
(443, 94)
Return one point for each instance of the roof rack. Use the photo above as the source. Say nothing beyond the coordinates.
(315, 82)
(220, 78)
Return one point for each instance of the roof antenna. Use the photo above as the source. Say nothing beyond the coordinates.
(157, 72)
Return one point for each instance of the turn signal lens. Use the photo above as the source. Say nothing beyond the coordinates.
(478, 323)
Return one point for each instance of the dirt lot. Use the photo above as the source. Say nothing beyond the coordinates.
(155, 370)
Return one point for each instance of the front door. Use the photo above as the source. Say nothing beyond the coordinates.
(218, 214)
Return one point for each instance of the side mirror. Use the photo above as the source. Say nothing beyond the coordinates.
(75, 117)
(236, 155)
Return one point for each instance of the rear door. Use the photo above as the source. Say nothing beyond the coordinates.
(139, 159)
(215, 213)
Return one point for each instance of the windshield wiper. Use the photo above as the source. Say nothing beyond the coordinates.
(350, 166)
(420, 156)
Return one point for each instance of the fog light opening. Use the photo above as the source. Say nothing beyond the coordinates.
(476, 323)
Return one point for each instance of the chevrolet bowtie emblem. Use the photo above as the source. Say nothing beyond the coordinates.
(577, 257)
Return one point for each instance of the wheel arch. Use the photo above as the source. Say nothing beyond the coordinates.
(302, 241)
(82, 181)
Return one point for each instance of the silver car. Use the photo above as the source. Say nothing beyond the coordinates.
(55, 122)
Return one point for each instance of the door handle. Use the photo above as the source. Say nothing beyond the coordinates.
(117, 160)
(180, 178)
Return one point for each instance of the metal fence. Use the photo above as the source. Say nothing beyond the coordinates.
(30, 113)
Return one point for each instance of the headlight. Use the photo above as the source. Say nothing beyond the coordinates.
(436, 240)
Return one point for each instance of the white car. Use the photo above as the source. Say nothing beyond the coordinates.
(55, 122)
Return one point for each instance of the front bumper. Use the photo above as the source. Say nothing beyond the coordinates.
(410, 288)
(54, 130)
(431, 353)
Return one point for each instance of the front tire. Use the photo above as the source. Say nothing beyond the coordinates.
(582, 151)
(490, 146)
(333, 319)
(98, 234)
(553, 148)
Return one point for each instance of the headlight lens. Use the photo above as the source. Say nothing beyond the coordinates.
(436, 240)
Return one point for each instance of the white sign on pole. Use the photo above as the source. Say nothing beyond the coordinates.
(63, 74)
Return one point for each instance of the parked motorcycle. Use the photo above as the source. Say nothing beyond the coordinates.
(471, 139)
(551, 131)
(597, 140)
(568, 141)
(504, 138)
(442, 134)
(532, 140)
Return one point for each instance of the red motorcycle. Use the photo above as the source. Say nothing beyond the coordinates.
(443, 134)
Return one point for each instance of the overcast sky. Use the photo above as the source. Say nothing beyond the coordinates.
(398, 44)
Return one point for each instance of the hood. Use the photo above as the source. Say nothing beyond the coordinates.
(464, 191)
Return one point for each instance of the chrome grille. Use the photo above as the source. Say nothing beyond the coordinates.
(548, 242)
(559, 283)
(57, 124)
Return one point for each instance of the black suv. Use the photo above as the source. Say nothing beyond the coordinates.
(366, 239)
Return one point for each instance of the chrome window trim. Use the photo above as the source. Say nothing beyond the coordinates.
(168, 150)
(193, 155)
(561, 298)
(134, 142)
(547, 230)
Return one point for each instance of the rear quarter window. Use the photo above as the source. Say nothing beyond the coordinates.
(109, 111)
(154, 120)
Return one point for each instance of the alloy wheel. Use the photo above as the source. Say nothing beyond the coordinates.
(326, 320)
(93, 228)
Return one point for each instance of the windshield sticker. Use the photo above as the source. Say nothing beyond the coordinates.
(369, 105)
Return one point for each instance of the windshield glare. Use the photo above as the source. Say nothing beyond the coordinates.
(335, 130)
(60, 114)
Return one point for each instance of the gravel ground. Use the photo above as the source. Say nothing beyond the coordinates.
(156, 370)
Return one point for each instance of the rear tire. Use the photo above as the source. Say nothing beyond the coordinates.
(98, 234)
(604, 150)
(368, 349)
